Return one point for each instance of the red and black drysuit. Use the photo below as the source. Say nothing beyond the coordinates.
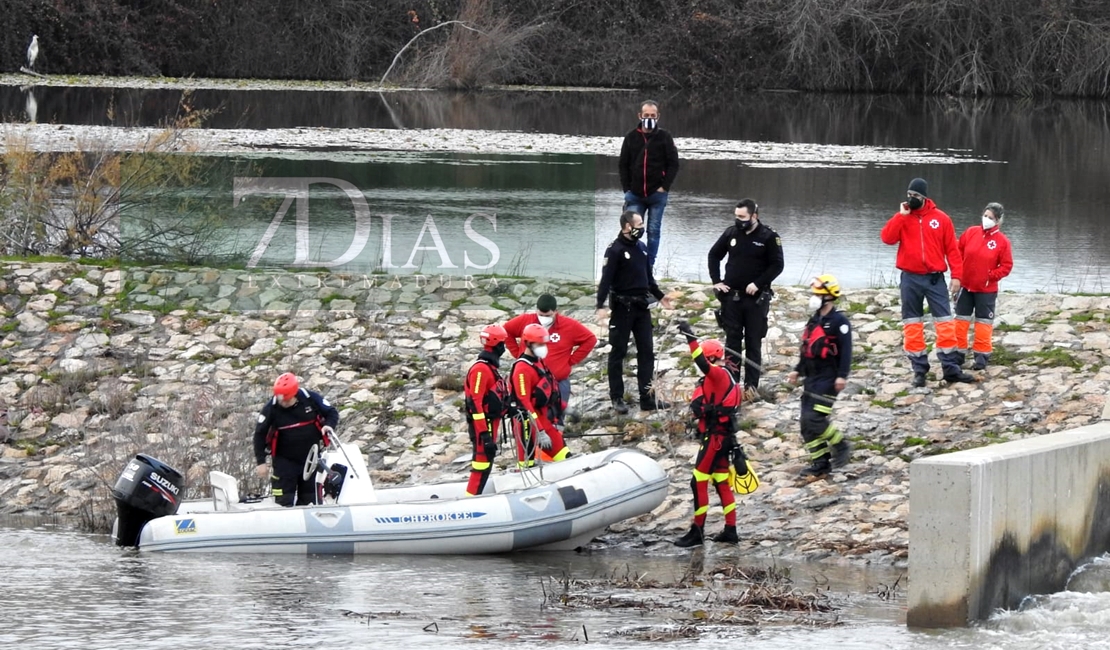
(716, 400)
(287, 435)
(485, 406)
(532, 388)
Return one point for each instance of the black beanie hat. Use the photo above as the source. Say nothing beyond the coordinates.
(920, 186)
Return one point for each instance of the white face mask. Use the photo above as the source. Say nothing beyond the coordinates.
(546, 321)
(988, 223)
(815, 303)
(540, 350)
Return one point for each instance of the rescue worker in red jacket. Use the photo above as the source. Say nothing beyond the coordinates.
(293, 422)
(927, 248)
(987, 259)
(569, 343)
(532, 388)
(484, 390)
(825, 361)
(716, 400)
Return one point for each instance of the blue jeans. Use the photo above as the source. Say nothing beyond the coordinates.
(651, 209)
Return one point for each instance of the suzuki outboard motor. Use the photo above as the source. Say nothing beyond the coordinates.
(147, 489)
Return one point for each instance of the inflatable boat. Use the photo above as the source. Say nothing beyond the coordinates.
(555, 506)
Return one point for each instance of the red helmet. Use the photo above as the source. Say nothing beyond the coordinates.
(492, 335)
(534, 333)
(286, 385)
(713, 350)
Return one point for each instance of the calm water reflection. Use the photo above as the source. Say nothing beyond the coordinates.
(1053, 162)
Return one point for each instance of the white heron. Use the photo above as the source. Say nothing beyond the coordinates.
(32, 51)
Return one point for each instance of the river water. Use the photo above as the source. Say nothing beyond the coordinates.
(1046, 161)
(61, 589)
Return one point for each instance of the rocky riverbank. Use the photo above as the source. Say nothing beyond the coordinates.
(97, 363)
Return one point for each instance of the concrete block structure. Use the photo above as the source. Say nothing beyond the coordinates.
(993, 525)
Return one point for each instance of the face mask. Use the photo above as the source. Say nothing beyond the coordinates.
(648, 123)
(745, 225)
(540, 351)
(915, 202)
(988, 223)
(815, 302)
(636, 233)
(546, 321)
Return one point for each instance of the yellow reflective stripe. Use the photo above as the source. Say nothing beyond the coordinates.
(277, 492)
(696, 353)
(561, 455)
(479, 416)
(701, 511)
(475, 465)
(832, 434)
(821, 408)
(698, 476)
(720, 477)
(729, 508)
(525, 463)
(477, 382)
(523, 390)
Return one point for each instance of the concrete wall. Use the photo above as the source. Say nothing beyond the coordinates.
(990, 526)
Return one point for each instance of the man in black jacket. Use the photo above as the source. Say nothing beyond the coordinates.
(648, 167)
(754, 260)
(627, 282)
(289, 425)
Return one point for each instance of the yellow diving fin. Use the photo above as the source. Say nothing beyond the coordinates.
(745, 483)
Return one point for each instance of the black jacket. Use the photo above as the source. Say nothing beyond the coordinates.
(291, 432)
(752, 257)
(626, 272)
(648, 161)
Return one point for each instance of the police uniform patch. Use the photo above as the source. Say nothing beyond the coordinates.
(732, 243)
(778, 240)
(261, 418)
(627, 256)
(844, 328)
(605, 261)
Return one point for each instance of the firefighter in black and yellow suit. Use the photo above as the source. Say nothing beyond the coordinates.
(825, 361)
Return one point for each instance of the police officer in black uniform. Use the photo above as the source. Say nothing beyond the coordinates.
(629, 286)
(754, 260)
(288, 426)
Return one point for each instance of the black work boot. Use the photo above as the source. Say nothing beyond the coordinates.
(841, 453)
(653, 404)
(960, 378)
(693, 537)
(918, 380)
(816, 469)
(727, 536)
(620, 407)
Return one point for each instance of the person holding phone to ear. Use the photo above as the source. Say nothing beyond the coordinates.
(927, 247)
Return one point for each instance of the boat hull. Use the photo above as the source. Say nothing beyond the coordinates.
(575, 501)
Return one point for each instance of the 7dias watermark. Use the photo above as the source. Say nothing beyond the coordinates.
(359, 231)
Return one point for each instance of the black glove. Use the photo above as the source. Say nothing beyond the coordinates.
(686, 330)
(488, 445)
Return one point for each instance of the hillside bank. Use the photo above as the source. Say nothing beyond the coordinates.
(99, 363)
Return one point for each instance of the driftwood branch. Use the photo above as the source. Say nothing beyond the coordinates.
(413, 40)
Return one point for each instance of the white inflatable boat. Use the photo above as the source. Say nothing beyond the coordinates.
(557, 506)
